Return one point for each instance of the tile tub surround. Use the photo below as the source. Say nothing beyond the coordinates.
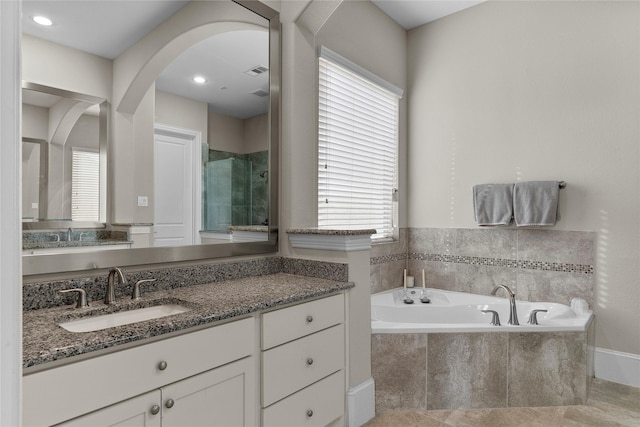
(537, 264)
(388, 261)
(39, 295)
(480, 370)
(44, 341)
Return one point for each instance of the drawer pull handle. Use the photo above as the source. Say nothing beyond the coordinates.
(309, 319)
(155, 410)
(169, 403)
(309, 361)
(162, 365)
(309, 413)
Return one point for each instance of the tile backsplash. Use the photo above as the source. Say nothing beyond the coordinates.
(538, 265)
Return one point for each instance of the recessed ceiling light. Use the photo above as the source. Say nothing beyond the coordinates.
(199, 79)
(42, 20)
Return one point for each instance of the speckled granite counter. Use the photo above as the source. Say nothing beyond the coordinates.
(72, 244)
(252, 228)
(332, 232)
(45, 341)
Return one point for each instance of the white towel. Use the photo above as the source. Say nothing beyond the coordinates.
(493, 204)
(535, 203)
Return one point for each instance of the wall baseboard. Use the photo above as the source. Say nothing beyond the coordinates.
(361, 403)
(618, 367)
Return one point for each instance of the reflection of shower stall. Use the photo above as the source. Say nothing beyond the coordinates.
(227, 194)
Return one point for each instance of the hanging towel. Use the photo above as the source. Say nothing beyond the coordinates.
(535, 203)
(493, 204)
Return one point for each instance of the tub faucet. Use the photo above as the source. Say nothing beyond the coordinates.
(513, 314)
(110, 296)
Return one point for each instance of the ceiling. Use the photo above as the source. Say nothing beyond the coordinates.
(109, 27)
(413, 13)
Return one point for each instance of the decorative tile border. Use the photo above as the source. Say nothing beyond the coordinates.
(501, 262)
(387, 258)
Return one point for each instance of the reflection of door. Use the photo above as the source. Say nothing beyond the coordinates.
(176, 173)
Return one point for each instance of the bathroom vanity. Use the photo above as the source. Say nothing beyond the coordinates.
(243, 355)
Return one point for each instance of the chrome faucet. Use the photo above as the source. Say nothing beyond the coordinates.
(513, 314)
(69, 232)
(110, 296)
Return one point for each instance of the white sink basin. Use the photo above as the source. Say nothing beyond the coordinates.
(97, 323)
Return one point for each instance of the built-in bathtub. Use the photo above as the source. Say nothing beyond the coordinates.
(446, 354)
(449, 311)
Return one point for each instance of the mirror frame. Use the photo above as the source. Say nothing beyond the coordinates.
(34, 264)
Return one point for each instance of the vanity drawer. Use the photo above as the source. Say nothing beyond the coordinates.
(317, 405)
(62, 393)
(290, 367)
(281, 326)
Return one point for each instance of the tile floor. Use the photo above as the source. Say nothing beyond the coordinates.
(609, 404)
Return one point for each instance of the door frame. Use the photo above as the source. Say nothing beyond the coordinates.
(196, 171)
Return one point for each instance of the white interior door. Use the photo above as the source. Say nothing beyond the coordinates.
(175, 186)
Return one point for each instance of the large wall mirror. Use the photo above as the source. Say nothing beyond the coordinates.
(232, 206)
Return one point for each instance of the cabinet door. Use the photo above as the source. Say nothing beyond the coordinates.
(224, 396)
(140, 411)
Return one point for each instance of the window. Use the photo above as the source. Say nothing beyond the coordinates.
(85, 185)
(357, 147)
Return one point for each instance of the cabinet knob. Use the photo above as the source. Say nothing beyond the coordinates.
(309, 413)
(309, 361)
(309, 319)
(155, 410)
(169, 403)
(162, 365)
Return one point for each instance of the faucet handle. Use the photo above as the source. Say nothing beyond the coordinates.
(533, 316)
(81, 302)
(495, 319)
(136, 288)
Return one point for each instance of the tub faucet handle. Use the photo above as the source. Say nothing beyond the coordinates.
(495, 319)
(424, 298)
(533, 316)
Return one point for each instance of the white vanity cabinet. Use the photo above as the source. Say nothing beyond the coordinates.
(213, 398)
(207, 375)
(303, 364)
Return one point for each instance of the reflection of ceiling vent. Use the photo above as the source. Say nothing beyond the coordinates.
(260, 92)
(257, 70)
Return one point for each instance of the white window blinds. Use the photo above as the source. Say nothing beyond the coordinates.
(85, 185)
(357, 147)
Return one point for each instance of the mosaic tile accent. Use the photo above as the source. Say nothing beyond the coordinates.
(387, 258)
(499, 262)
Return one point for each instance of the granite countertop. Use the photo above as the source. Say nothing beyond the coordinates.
(44, 341)
(332, 232)
(255, 228)
(73, 244)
